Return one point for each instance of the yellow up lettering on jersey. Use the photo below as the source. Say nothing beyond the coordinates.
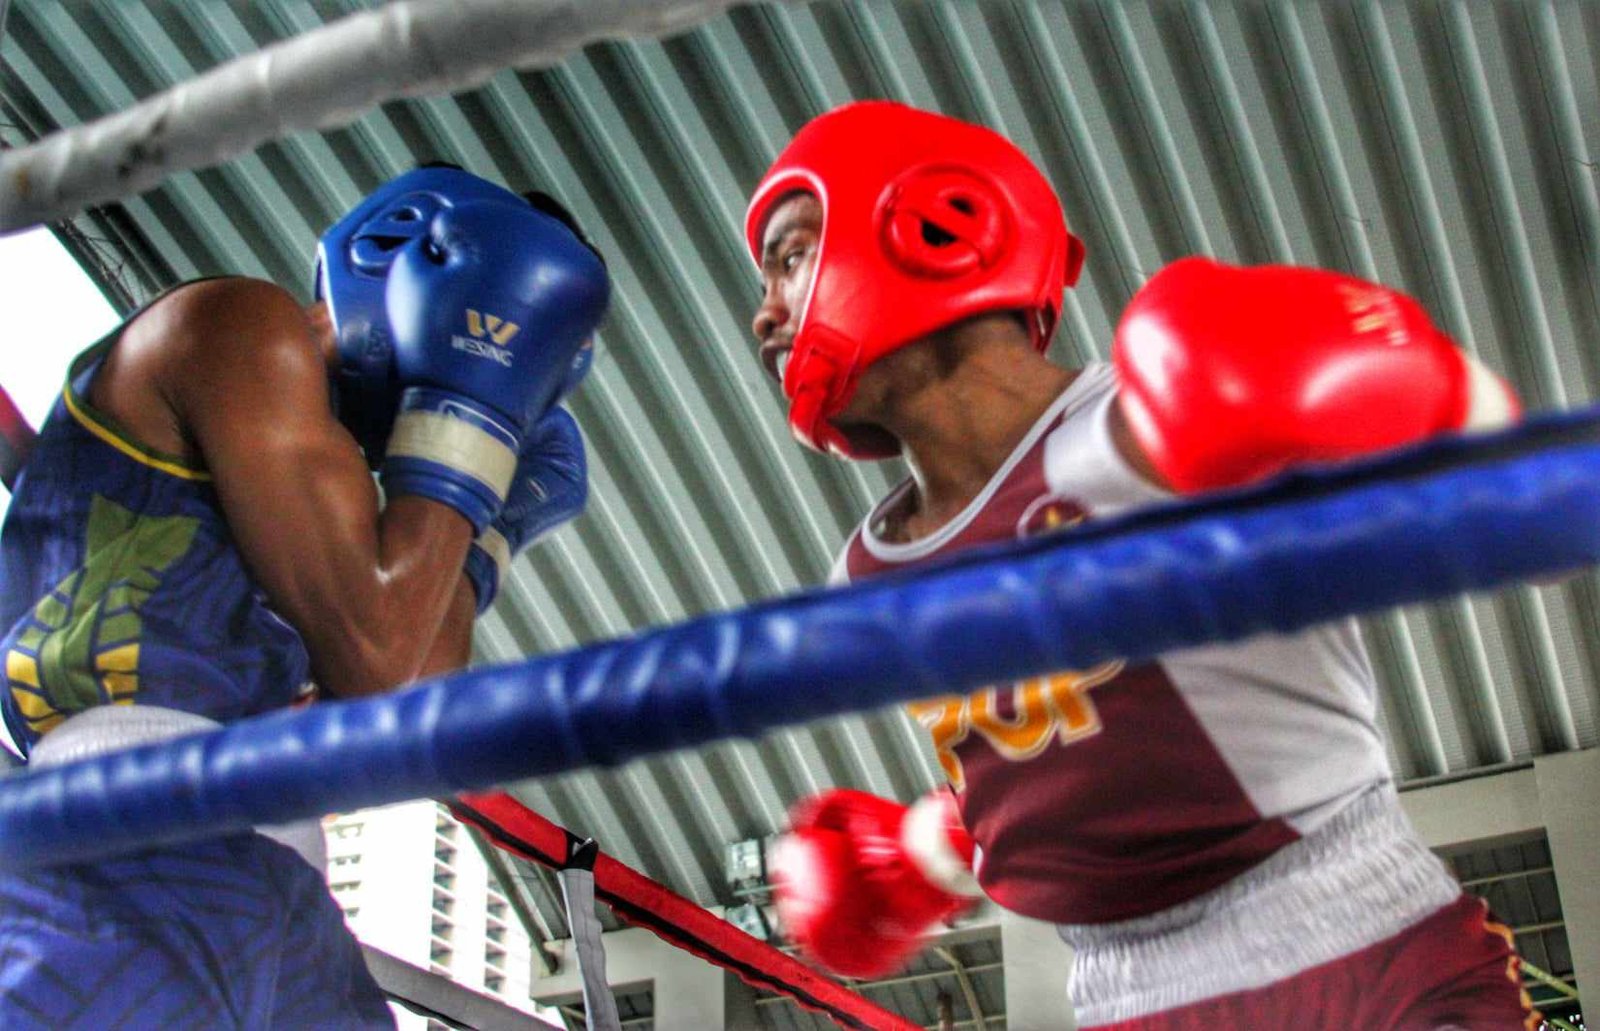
(1045, 709)
(947, 719)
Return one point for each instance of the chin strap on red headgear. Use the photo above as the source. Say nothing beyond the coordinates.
(926, 221)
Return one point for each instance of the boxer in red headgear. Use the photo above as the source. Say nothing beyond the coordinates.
(951, 221)
(1216, 834)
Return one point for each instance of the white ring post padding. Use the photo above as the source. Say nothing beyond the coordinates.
(599, 1005)
(320, 80)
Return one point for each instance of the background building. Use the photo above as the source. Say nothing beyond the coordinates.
(412, 883)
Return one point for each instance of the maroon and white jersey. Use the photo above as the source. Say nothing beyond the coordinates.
(1111, 793)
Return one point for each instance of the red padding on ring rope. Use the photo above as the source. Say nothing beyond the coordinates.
(645, 903)
(16, 440)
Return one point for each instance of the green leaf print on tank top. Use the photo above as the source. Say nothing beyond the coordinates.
(82, 648)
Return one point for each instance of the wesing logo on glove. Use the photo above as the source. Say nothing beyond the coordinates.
(489, 335)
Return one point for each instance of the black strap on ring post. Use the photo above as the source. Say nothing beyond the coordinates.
(577, 890)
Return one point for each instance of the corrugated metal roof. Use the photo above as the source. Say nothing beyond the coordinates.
(1446, 148)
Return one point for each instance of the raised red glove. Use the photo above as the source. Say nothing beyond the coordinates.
(860, 880)
(1229, 374)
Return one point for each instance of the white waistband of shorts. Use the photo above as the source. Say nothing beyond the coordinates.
(106, 728)
(111, 728)
(1360, 878)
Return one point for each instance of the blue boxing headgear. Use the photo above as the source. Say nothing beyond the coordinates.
(354, 258)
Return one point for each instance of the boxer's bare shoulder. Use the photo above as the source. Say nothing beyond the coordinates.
(196, 346)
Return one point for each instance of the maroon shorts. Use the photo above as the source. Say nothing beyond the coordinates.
(1456, 970)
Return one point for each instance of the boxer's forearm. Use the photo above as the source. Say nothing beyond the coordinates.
(452, 648)
(367, 590)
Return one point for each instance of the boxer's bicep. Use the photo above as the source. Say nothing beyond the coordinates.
(366, 592)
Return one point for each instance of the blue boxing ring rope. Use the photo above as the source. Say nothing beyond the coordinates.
(1453, 515)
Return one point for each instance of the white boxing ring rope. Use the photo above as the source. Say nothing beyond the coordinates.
(1456, 514)
(319, 80)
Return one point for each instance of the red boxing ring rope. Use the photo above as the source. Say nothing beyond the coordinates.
(645, 903)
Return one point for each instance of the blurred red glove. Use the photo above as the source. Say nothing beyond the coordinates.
(859, 880)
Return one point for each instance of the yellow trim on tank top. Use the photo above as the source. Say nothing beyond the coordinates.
(33, 706)
(81, 411)
(22, 668)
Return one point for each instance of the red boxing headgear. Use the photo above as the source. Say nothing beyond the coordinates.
(926, 220)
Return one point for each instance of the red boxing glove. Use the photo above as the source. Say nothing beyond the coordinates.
(1229, 374)
(859, 880)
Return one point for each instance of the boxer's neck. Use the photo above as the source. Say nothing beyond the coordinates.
(973, 397)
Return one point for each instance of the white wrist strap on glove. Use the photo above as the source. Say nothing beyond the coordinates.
(1489, 405)
(926, 840)
(437, 436)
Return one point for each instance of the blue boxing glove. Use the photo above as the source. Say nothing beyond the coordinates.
(549, 489)
(489, 309)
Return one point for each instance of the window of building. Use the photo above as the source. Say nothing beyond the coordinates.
(494, 933)
(347, 830)
(443, 903)
(351, 911)
(344, 860)
(443, 878)
(494, 982)
(341, 886)
(494, 955)
(496, 908)
(440, 953)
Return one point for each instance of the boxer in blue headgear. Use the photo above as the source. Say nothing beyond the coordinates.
(354, 260)
(197, 538)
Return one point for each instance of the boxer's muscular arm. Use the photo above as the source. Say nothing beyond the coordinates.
(236, 364)
(1132, 452)
(452, 647)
